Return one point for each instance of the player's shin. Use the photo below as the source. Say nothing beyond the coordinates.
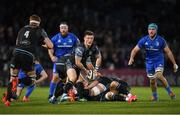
(59, 89)
(80, 88)
(153, 85)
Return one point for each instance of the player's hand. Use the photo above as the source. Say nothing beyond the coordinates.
(130, 61)
(175, 66)
(97, 73)
(34, 82)
(54, 59)
(85, 84)
(44, 45)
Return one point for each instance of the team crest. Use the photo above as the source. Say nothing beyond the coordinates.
(157, 43)
(59, 40)
(69, 40)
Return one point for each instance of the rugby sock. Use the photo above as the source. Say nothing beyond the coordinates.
(59, 89)
(80, 88)
(29, 90)
(14, 84)
(155, 95)
(68, 86)
(118, 98)
(52, 88)
(9, 91)
(168, 89)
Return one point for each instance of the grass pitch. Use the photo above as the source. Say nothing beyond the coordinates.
(39, 104)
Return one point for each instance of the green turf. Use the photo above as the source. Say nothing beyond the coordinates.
(39, 104)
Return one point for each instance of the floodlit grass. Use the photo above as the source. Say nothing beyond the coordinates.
(39, 104)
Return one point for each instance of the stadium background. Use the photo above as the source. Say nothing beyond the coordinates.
(118, 25)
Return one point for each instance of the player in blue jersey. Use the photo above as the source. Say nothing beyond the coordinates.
(24, 80)
(62, 55)
(155, 47)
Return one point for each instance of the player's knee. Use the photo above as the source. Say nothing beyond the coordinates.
(71, 74)
(159, 74)
(31, 74)
(113, 85)
(152, 81)
(55, 79)
(109, 95)
(14, 72)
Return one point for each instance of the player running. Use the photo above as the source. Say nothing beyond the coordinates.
(154, 46)
(62, 55)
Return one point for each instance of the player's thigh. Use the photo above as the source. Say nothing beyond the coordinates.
(159, 67)
(150, 70)
(71, 74)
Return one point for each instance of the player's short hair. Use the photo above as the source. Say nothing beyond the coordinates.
(34, 19)
(63, 23)
(88, 32)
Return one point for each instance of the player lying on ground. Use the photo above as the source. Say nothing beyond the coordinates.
(107, 89)
(102, 89)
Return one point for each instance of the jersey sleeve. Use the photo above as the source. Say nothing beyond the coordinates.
(38, 69)
(141, 43)
(79, 51)
(97, 50)
(43, 33)
(53, 39)
(164, 44)
(76, 40)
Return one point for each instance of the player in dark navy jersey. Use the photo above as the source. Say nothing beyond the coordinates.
(155, 47)
(29, 37)
(87, 57)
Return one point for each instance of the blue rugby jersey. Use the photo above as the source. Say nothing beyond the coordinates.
(64, 45)
(154, 48)
(38, 69)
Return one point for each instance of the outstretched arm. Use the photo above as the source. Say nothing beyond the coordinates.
(133, 54)
(171, 57)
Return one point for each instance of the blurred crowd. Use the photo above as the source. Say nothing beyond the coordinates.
(118, 25)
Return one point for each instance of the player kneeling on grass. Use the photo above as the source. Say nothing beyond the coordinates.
(24, 80)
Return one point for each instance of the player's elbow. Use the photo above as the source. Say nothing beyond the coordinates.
(45, 76)
(78, 63)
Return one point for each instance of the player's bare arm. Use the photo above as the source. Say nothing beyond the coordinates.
(80, 65)
(133, 54)
(51, 55)
(48, 43)
(98, 61)
(171, 57)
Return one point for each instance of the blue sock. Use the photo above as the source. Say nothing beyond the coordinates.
(29, 90)
(155, 95)
(168, 89)
(52, 88)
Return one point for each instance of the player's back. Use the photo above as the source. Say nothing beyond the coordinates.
(28, 38)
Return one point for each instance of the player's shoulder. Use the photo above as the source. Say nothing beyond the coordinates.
(81, 46)
(72, 35)
(160, 37)
(145, 37)
(56, 36)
